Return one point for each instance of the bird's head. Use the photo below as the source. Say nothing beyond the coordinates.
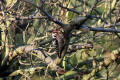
(54, 34)
(55, 31)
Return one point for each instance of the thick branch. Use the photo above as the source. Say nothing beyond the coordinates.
(25, 71)
(44, 57)
(5, 69)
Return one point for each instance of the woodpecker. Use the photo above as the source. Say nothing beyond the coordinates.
(58, 42)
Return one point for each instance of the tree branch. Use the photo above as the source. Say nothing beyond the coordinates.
(44, 57)
(74, 48)
(99, 29)
(68, 9)
(50, 17)
(74, 11)
(25, 18)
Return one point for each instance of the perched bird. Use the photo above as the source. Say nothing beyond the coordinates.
(58, 42)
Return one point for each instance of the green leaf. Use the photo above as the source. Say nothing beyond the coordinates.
(73, 60)
(68, 75)
(70, 15)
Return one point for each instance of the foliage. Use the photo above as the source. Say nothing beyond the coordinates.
(92, 52)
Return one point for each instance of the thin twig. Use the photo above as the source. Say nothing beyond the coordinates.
(99, 29)
(25, 18)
